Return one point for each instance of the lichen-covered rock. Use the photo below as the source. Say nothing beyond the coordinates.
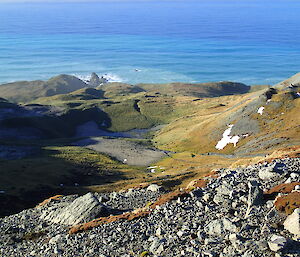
(82, 209)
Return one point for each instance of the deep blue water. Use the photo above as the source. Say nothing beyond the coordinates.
(255, 42)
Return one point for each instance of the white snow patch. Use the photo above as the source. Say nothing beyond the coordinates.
(260, 110)
(298, 94)
(227, 139)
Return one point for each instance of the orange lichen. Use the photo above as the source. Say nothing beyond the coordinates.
(56, 197)
(288, 203)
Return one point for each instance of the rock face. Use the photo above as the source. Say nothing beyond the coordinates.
(96, 81)
(292, 223)
(83, 209)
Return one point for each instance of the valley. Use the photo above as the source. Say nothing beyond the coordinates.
(68, 136)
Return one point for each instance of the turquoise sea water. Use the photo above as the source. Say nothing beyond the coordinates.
(255, 42)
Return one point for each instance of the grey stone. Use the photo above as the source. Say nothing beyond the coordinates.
(82, 209)
(218, 227)
(292, 223)
(158, 232)
(206, 197)
(218, 199)
(154, 188)
(255, 196)
(277, 243)
(156, 246)
(224, 189)
(96, 81)
(270, 172)
(56, 239)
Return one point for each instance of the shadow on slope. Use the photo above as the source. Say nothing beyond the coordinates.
(55, 169)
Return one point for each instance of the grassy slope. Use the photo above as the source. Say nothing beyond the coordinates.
(200, 131)
(194, 125)
(24, 91)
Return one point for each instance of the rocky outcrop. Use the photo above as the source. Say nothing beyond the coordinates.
(94, 80)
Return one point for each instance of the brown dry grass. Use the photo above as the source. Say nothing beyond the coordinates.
(52, 198)
(288, 203)
(282, 188)
(136, 214)
(104, 220)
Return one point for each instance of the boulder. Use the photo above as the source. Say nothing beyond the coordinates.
(292, 223)
(56, 239)
(271, 172)
(154, 188)
(82, 209)
(277, 243)
(220, 226)
(267, 173)
(224, 189)
(255, 196)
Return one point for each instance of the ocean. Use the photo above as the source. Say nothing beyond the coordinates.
(254, 42)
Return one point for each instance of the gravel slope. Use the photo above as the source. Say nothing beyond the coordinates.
(229, 217)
